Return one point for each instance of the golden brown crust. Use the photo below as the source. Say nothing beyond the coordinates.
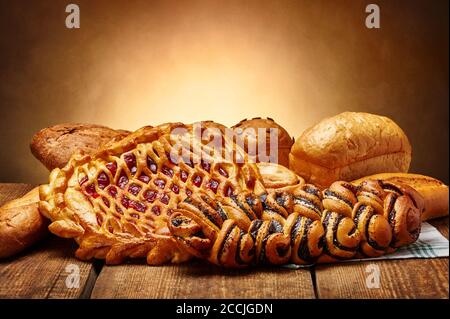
(277, 176)
(348, 146)
(21, 224)
(124, 224)
(284, 139)
(53, 146)
(434, 192)
(302, 225)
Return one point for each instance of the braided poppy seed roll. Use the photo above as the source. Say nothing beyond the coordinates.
(306, 238)
(376, 233)
(341, 239)
(403, 207)
(340, 197)
(371, 193)
(308, 201)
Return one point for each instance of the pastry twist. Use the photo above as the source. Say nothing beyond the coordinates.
(301, 224)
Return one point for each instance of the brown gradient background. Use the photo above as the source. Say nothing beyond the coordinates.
(134, 63)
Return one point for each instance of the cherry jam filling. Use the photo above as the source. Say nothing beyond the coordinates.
(112, 191)
(134, 189)
(102, 180)
(175, 189)
(144, 178)
(156, 210)
(184, 176)
(188, 192)
(189, 163)
(134, 215)
(119, 210)
(197, 180)
(150, 196)
(160, 183)
(83, 180)
(99, 219)
(106, 201)
(171, 159)
(213, 185)
(138, 206)
(167, 171)
(228, 191)
(223, 172)
(130, 160)
(123, 180)
(206, 166)
(165, 199)
(125, 202)
(112, 167)
(90, 190)
(152, 165)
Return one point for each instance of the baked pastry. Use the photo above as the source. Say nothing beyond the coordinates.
(21, 224)
(349, 146)
(433, 191)
(116, 202)
(53, 146)
(250, 136)
(299, 224)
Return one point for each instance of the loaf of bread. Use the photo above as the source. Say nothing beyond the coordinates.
(349, 146)
(21, 224)
(252, 136)
(433, 191)
(53, 146)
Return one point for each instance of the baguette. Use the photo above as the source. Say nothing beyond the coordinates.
(433, 191)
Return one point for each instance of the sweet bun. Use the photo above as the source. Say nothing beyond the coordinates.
(277, 176)
(21, 224)
(53, 146)
(433, 191)
(348, 146)
(284, 139)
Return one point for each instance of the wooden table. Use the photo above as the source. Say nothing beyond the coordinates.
(45, 270)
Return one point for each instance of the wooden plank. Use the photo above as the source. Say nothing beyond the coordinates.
(407, 278)
(442, 225)
(411, 278)
(201, 280)
(42, 270)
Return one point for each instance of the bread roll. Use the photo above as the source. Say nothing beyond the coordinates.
(433, 191)
(21, 224)
(277, 176)
(349, 146)
(53, 146)
(284, 139)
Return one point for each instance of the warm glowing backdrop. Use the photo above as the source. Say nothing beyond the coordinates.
(134, 63)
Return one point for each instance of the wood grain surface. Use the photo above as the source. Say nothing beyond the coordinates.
(201, 280)
(407, 278)
(42, 270)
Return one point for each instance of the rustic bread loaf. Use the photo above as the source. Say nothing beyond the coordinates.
(349, 146)
(284, 139)
(54, 145)
(21, 224)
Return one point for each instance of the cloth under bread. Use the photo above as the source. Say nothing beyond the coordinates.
(431, 244)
